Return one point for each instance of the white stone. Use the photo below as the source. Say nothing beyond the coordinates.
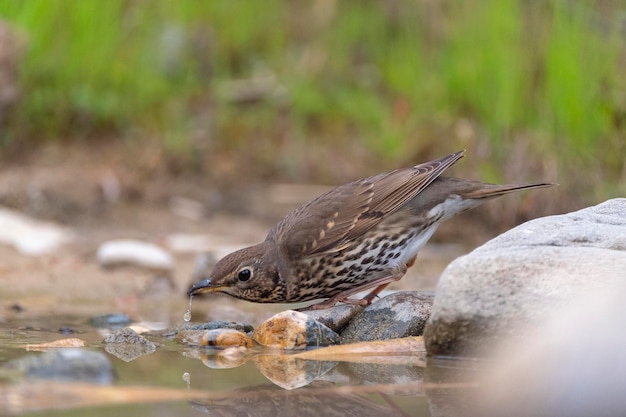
(134, 252)
(30, 236)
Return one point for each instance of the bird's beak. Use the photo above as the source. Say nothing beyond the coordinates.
(204, 286)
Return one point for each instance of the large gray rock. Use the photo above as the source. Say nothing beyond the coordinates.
(515, 281)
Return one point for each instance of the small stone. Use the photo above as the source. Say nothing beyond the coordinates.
(66, 364)
(17, 308)
(336, 317)
(56, 344)
(293, 330)
(223, 338)
(29, 236)
(400, 314)
(110, 321)
(127, 336)
(128, 345)
(67, 330)
(134, 252)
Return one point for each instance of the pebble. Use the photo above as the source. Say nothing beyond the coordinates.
(66, 364)
(56, 344)
(128, 345)
(30, 236)
(134, 252)
(110, 321)
(293, 330)
(223, 338)
(217, 338)
(400, 314)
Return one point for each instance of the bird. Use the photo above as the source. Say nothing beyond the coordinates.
(359, 236)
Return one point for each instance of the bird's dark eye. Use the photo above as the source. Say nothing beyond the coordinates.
(244, 275)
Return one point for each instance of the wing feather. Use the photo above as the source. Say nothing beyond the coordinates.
(340, 215)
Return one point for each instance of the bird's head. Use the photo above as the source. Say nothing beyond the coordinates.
(248, 274)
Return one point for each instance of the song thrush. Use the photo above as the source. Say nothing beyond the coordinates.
(358, 236)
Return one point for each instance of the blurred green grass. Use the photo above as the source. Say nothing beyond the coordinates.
(535, 90)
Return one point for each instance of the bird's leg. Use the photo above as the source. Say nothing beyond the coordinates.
(398, 273)
(378, 284)
(369, 298)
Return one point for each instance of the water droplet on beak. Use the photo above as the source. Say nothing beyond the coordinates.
(187, 315)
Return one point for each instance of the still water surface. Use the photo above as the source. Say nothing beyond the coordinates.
(178, 380)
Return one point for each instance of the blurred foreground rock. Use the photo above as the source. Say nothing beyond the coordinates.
(512, 284)
(558, 374)
(67, 364)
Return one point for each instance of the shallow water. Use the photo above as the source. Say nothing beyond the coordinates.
(184, 381)
(49, 298)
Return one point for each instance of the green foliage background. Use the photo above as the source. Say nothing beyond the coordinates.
(314, 89)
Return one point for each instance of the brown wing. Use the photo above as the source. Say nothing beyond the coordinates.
(347, 212)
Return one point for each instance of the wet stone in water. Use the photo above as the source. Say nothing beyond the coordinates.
(127, 345)
(67, 364)
(223, 338)
(294, 330)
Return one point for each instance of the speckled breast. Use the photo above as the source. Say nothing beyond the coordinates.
(362, 261)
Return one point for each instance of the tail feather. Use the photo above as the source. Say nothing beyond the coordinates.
(494, 190)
